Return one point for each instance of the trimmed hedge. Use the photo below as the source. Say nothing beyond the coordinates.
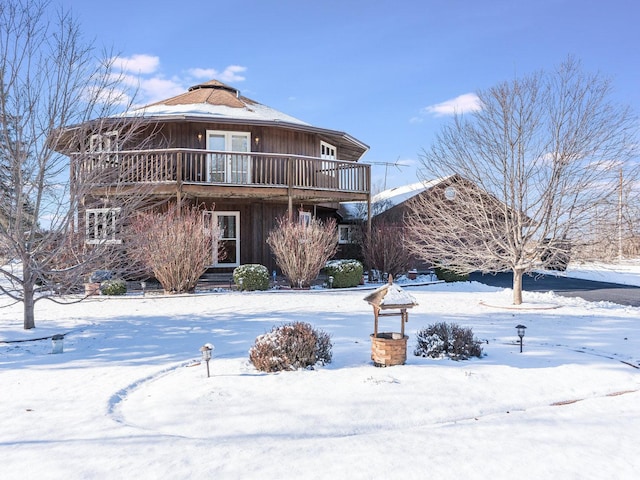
(345, 273)
(253, 275)
(449, 276)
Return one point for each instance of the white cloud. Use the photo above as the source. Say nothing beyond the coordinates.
(230, 74)
(468, 102)
(140, 73)
(137, 63)
(157, 88)
(204, 73)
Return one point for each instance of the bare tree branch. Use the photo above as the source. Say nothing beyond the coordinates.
(531, 167)
(50, 79)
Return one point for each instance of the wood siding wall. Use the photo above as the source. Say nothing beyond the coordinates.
(271, 139)
(257, 219)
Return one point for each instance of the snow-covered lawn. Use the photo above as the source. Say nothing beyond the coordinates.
(626, 272)
(129, 399)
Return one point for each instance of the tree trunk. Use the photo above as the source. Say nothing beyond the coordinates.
(517, 286)
(29, 302)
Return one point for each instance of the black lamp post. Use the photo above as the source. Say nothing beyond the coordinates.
(206, 354)
(521, 329)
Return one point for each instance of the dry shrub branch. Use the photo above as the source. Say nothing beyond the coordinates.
(302, 250)
(175, 246)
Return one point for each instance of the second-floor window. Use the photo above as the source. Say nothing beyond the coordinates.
(327, 151)
(106, 144)
(101, 225)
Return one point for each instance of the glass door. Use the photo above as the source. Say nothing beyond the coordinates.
(217, 161)
(227, 250)
(228, 167)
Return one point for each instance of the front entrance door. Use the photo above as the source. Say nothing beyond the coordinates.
(226, 252)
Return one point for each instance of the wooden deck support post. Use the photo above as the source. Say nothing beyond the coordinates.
(179, 181)
(289, 189)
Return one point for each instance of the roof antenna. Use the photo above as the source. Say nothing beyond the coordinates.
(396, 164)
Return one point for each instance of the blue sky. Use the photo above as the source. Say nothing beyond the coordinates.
(387, 72)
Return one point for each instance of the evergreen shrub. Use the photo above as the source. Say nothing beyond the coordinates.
(113, 287)
(450, 276)
(345, 273)
(447, 339)
(253, 275)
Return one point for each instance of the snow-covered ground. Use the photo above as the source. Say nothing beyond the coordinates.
(128, 397)
(626, 272)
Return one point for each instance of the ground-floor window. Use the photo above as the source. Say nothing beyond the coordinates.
(345, 234)
(304, 218)
(101, 225)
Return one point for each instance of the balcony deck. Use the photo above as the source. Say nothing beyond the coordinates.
(207, 173)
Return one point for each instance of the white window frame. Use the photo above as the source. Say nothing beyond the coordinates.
(230, 175)
(213, 217)
(105, 231)
(328, 152)
(105, 143)
(304, 218)
(349, 229)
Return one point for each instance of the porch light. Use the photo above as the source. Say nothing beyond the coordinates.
(199, 136)
(206, 350)
(257, 140)
(520, 329)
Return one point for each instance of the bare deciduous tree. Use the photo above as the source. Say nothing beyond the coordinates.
(302, 250)
(50, 79)
(543, 151)
(175, 246)
(385, 248)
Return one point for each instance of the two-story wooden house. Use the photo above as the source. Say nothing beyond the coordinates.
(243, 163)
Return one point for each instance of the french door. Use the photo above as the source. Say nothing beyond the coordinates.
(226, 251)
(228, 167)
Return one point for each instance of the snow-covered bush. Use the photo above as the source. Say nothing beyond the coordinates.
(290, 347)
(447, 339)
(251, 276)
(345, 273)
(113, 287)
